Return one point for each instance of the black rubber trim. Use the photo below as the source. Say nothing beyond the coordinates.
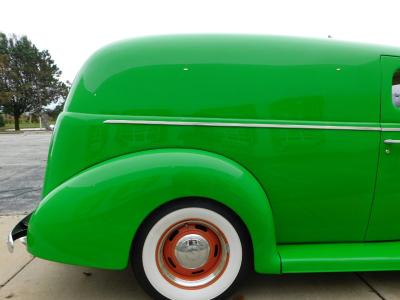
(21, 229)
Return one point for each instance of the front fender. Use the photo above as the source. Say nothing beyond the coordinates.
(92, 218)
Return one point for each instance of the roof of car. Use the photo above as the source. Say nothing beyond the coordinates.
(152, 62)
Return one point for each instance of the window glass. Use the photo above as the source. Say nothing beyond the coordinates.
(396, 89)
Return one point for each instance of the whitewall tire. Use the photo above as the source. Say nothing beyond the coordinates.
(189, 250)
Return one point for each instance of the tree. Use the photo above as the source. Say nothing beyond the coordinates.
(59, 106)
(29, 78)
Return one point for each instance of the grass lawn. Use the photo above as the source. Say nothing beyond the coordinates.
(21, 125)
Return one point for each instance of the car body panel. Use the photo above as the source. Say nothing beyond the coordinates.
(307, 140)
(384, 223)
(340, 257)
(100, 210)
(331, 171)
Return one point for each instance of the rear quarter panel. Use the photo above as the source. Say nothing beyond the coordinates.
(92, 218)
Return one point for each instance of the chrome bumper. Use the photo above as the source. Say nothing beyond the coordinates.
(19, 232)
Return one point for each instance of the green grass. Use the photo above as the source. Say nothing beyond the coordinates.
(21, 125)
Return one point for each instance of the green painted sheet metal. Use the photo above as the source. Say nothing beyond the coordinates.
(92, 218)
(349, 257)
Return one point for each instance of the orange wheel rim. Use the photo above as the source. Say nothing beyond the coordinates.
(192, 254)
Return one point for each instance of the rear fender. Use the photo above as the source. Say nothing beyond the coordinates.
(92, 218)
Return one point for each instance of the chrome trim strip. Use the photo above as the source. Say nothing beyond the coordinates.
(391, 129)
(24, 240)
(390, 141)
(10, 243)
(251, 125)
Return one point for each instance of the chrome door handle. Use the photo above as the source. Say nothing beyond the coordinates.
(389, 141)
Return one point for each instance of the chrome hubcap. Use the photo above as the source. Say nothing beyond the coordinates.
(192, 251)
(192, 254)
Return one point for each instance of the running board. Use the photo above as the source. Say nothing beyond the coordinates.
(345, 257)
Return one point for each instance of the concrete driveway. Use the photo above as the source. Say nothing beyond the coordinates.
(22, 161)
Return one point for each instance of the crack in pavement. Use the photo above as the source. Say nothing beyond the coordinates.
(16, 273)
(374, 290)
(4, 179)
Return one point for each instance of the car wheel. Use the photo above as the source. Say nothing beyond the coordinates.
(190, 250)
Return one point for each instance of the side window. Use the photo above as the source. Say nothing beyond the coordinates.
(396, 89)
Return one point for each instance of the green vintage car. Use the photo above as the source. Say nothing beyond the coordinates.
(199, 158)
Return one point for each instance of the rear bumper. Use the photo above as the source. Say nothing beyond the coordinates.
(19, 232)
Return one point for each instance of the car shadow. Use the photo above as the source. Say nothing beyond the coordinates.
(256, 286)
(42, 279)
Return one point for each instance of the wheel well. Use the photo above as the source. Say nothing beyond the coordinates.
(226, 211)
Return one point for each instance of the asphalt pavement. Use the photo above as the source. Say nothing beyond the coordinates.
(22, 163)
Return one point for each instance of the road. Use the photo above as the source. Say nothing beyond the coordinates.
(22, 162)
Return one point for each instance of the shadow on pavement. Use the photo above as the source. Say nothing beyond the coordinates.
(47, 280)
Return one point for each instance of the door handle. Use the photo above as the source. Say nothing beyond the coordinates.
(389, 141)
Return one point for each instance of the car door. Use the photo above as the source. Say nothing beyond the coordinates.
(385, 215)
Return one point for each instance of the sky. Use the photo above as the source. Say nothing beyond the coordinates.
(72, 30)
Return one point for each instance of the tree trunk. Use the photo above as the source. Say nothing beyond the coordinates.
(16, 122)
(45, 120)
